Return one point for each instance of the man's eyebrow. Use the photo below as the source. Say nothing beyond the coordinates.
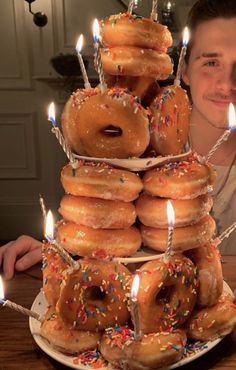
(210, 55)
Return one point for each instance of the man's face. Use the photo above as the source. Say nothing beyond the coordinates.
(211, 71)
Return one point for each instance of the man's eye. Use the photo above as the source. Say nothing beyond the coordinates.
(211, 63)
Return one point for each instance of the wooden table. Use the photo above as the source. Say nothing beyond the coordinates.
(18, 350)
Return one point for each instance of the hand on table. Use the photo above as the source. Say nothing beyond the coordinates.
(19, 255)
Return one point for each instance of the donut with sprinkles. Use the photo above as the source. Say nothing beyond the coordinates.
(112, 124)
(95, 296)
(167, 293)
(126, 29)
(169, 127)
(152, 351)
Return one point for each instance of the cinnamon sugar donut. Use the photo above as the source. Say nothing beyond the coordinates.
(170, 120)
(111, 124)
(182, 180)
(86, 241)
(98, 213)
(133, 61)
(64, 338)
(153, 351)
(151, 211)
(95, 296)
(52, 268)
(184, 238)
(213, 322)
(100, 181)
(167, 293)
(210, 276)
(131, 30)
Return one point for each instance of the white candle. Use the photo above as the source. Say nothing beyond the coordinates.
(171, 222)
(43, 208)
(182, 56)
(56, 131)
(225, 234)
(78, 48)
(98, 60)
(134, 307)
(132, 4)
(224, 137)
(49, 235)
(16, 307)
(154, 14)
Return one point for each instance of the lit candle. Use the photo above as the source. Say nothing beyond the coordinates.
(78, 48)
(225, 234)
(43, 208)
(134, 307)
(98, 60)
(154, 14)
(49, 235)
(224, 137)
(132, 4)
(16, 307)
(171, 222)
(182, 56)
(55, 130)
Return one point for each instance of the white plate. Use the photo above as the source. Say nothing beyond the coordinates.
(40, 306)
(137, 164)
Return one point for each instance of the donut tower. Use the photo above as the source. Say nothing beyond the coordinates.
(109, 213)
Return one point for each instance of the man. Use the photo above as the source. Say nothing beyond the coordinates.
(210, 72)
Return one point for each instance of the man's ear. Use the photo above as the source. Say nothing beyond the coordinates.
(184, 76)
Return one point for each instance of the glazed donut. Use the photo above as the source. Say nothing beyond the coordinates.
(95, 296)
(151, 211)
(167, 293)
(210, 276)
(133, 61)
(129, 30)
(213, 322)
(86, 241)
(182, 180)
(170, 120)
(151, 352)
(184, 238)
(112, 124)
(98, 213)
(65, 338)
(100, 181)
(52, 268)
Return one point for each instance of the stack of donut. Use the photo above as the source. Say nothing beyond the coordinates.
(181, 294)
(187, 185)
(98, 211)
(135, 51)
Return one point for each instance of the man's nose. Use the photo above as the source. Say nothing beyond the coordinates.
(233, 75)
(226, 80)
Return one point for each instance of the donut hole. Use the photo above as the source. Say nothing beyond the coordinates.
(112, 131)
(94, 293)
(164, 294)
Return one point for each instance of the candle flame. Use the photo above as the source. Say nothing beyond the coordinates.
(1, 289)
(51, 114)
(135, 286)
(79, 44)
(232, 117)
(49, 228)
(170, 214)
(96, 31)
(185, 36)
(168, 5)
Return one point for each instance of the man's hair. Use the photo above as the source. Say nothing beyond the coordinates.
(207, 10)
